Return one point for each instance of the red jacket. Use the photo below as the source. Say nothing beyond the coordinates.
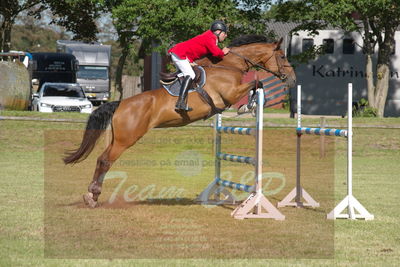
(197, 47)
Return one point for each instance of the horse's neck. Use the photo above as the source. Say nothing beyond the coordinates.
(241, 57)
(238, 66)
(232, 60)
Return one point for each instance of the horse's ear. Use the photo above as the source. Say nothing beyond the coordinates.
(278, 44)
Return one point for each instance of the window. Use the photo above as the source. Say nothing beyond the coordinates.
(393, 49)
(328, 46)
(307, 44)
(63, 90)
(92, 72)
(348, 46)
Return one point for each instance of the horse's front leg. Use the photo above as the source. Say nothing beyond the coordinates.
(241, 90)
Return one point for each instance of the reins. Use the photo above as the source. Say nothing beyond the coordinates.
(224, 67)
(256, 64)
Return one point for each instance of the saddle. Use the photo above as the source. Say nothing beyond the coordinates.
(172, 81)
(168, 78)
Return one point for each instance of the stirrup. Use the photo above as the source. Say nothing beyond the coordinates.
(182, 107)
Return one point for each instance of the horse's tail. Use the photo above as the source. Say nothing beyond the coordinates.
(96, 125)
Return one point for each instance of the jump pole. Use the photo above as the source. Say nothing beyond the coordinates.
(354, 208)
(256, 205)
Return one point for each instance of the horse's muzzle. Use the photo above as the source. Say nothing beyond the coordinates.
(289, 81)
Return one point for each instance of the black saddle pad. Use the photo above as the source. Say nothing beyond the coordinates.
(174, 88)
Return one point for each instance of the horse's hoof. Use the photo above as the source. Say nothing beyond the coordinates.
(243, 109)
(89, 201)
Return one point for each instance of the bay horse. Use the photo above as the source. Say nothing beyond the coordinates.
(133, 117)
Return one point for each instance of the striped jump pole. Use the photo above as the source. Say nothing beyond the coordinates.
(354, 208)
(256, 205)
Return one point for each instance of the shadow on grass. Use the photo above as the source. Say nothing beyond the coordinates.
(121, 203)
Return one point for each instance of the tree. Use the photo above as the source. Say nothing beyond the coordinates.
(77, 16)
(34, 38)
(161, 23)
(167, 22)
(375, 20)
(9, 10)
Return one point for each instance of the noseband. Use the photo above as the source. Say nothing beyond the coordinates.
(254, 64)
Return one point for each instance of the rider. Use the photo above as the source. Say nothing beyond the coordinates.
(186, 52)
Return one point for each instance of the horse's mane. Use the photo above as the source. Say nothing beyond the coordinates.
(250, 39)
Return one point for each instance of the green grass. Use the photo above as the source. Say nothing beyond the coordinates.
(34, 114)
(41, 202)
(307, 120)
(276, 110)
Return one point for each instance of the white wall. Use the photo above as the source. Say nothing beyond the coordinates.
(324, 80)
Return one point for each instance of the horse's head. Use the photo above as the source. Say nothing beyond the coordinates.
(256, 51)
(279, 63)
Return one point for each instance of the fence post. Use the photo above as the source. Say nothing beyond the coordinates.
(322, 139)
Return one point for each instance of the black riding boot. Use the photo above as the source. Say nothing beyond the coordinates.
(181, 103)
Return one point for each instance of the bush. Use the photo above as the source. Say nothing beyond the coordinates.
(362, 109)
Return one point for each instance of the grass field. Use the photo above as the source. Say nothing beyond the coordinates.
(147, 215)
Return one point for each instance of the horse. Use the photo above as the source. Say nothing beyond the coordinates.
(133, 117)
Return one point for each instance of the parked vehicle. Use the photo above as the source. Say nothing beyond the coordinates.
(56, 97)
(53, 67)
(94, 67)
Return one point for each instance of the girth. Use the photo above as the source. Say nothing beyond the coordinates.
(207, 98)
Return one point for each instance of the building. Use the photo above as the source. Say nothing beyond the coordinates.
(324, 80)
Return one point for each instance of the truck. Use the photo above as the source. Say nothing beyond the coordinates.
(94, 67)
(53, 67)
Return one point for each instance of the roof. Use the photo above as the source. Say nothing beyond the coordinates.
(281, 29)
(37, 55)
(72, 42)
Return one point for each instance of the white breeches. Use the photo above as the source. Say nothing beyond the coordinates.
(183, 65)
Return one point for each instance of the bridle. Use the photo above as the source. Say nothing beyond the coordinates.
(254, 64)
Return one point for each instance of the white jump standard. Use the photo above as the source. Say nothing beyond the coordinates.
(253, 206)
(349, 202)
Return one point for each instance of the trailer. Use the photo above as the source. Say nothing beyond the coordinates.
(53, 67)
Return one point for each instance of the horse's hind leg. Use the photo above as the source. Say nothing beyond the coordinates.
(104, 163)
(124, 136)
(130, 122)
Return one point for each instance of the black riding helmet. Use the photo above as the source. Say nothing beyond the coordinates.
(218, 25)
